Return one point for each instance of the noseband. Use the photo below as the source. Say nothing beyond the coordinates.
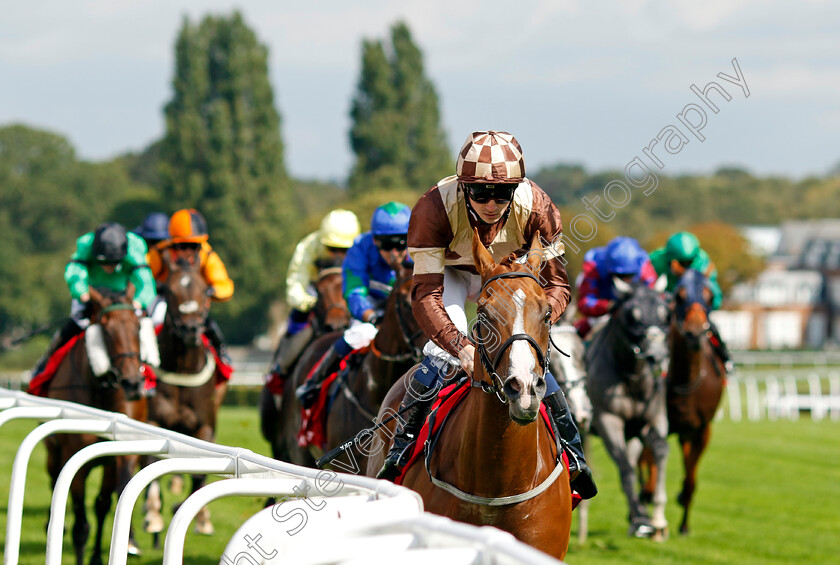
(490, 365)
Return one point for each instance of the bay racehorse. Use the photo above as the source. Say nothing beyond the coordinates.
(280, 421)
(188, 398)
(115, 329)
(569, 368)
(495, 461)
(396, 348)
(696, 377)
(624, 363)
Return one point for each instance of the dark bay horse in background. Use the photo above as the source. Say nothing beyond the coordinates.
(696, 377)
(495, 444)
(279, 425)
(396, 348)
(625, 361)
(187, 399)
(121, 389)
(568, 367)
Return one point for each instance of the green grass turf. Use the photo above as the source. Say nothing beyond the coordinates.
(768, 492)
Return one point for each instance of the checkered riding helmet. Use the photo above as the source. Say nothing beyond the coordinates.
(187, 226)
(493, 156)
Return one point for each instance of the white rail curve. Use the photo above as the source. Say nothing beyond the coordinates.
(354, 519)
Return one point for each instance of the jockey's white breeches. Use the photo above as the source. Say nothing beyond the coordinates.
(458, 287)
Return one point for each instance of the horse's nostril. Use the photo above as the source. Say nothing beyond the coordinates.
(513, 388)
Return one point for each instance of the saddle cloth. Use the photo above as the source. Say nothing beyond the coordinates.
(38, 383)
(223, 370)
(449, 398)
(313, 420)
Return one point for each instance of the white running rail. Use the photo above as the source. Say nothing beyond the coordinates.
(354, 519)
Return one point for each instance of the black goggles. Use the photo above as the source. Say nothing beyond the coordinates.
(482, 193)
(186, 246)
(390, 242)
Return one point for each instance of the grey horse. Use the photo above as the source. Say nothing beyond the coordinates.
(625, 361)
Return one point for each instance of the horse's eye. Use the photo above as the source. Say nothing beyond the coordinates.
(636, 313)
(548, 315)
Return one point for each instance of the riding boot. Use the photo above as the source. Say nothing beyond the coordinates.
(64, 334)
(580, 475)
(308, 391)
(217, 340)
(413, 411)
(720, 347)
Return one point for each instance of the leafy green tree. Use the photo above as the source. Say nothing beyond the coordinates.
(47, 199)
(396, 132)
(223, 155)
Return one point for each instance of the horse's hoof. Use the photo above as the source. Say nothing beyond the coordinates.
(203, 525)
(133, 549)
(641, 530)
(176, 485)
(153, 523)
(660, 534)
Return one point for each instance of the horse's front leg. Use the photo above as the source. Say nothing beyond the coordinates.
(692, 450)
(656, 438)
(611, 429)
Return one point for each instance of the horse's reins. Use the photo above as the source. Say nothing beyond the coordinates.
(490, 367)
(415, 352)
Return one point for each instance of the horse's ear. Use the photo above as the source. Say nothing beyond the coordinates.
(661, 283)
(484, 262)
(622, 287)
(536, 259)
(130, 289)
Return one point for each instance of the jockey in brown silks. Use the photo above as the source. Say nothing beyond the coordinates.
(490, 194)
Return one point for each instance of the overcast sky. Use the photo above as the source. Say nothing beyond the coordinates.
(585, 82)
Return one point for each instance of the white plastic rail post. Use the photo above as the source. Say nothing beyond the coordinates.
(137, 485)
(17, 485)
(58, 507)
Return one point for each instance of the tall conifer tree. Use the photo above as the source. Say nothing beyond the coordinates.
(396, 132)
(223, 155)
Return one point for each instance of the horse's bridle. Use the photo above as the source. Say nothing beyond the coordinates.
(179, 328)
(490, 365)
(115, 375)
